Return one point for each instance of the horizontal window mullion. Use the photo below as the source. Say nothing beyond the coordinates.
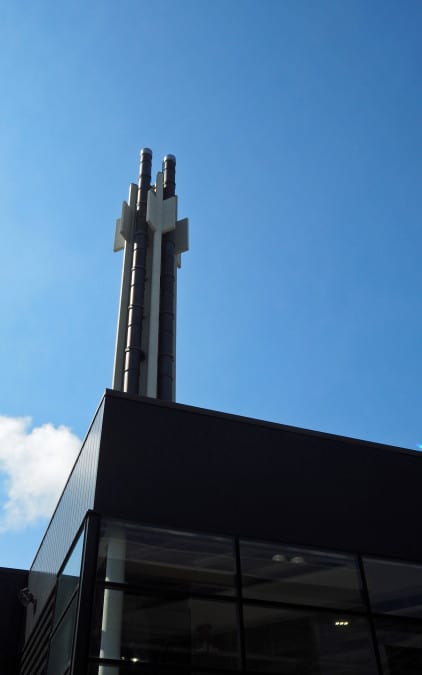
(164, 594)
(270, 604)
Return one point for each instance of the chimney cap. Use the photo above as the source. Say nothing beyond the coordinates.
(146, 151)
(169, 158)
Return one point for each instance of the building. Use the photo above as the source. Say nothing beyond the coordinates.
(191, 541)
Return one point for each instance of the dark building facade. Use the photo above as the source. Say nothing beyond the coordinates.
(12, 616)
(190, 541)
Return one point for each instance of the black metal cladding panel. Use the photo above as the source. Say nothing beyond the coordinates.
(35, 654)
(11, 618)
(171, 465)
(77, 498)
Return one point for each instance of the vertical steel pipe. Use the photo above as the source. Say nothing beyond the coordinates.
(133, 353)
(166, 342)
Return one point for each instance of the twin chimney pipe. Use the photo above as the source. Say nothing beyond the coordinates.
(166, 341)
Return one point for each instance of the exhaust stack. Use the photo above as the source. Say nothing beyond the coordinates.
(153, 240)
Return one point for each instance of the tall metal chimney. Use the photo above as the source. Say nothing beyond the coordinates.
(166, 340)
(153, 241)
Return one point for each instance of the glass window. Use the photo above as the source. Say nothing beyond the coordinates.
(153, 559)
(394, 587)
(62, 643)
(400, 645)
(159, 630)
(303, 642)
(68, 580)
(279, 573)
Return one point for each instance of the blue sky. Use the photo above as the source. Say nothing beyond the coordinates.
(297, 131)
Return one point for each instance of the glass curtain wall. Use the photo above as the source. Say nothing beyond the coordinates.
(164, 598)
(65, 612)
(182, 602)
(304, 612)
(395, 592)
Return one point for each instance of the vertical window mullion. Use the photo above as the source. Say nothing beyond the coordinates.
(241, 631)
(83, 627)
(366, 599)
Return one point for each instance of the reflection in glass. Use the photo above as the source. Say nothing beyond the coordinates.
(394, 587)
(400, 645)
(186, 631)
(294, 575)
(156, 558)
(307, 642)
(62, 642)
(68, 580)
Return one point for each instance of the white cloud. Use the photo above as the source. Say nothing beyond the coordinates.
(34, 466)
